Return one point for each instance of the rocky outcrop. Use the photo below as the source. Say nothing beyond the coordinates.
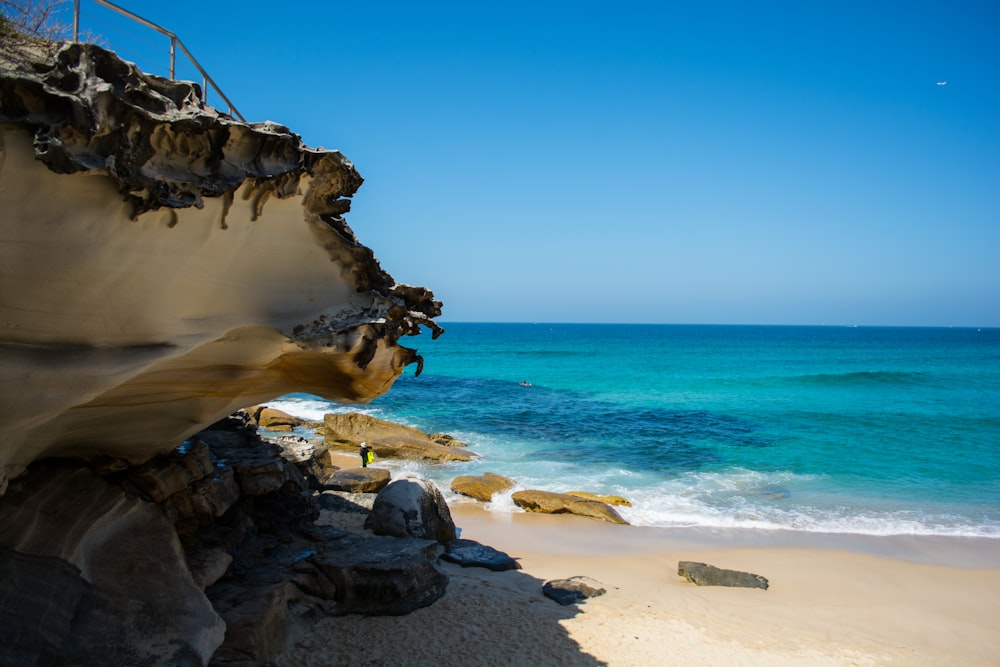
(412, 507)
(345, 431)
(166, 265)
(134, 562)
(95, 572)
(548, 502)
(482, 487)
(702, 574)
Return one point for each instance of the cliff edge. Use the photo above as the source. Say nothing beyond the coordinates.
(162, 264)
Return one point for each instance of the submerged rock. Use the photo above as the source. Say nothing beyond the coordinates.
(548, 502)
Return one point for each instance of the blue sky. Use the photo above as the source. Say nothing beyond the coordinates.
(677, 162)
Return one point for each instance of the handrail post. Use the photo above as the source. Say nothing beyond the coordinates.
(173, 55)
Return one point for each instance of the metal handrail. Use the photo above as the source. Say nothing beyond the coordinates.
(174, 43)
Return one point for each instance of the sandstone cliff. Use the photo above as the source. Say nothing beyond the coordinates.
(162, 265)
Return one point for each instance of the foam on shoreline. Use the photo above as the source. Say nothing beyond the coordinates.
(833, 600)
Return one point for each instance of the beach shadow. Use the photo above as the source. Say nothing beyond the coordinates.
(483, 618)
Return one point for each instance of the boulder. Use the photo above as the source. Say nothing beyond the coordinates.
(256, 620)
(574, 589)
(270, 418)
(607, 500)
(381, 576)
(469, 553)
(411, 507)
(355, 427)
(548, 502)
(345, 431)
(356, 480)
(418, 450)
(295, 448)
(482, 487)
(709, 575)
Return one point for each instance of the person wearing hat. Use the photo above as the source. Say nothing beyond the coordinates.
(367, 455)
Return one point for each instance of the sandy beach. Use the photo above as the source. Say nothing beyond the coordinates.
(833, 600)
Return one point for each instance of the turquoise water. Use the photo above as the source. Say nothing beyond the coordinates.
(830, 429)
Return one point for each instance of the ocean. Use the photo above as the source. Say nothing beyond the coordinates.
(866, 430)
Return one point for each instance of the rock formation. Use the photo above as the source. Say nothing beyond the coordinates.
(601, 498)
(482, 487)
(412, 508)
(572, 590)
(164, 265)
(703, 574)
(345, 431)
(548, 502)
(208, 553)
(161, 266)
(469, 553)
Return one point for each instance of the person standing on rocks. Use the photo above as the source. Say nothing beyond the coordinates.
(367, 455)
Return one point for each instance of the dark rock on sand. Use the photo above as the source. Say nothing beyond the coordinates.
(411, 508)
(574, 589)
(482, 487)
(469, 553)
(709, 575)
(548, 502)
(382, 575)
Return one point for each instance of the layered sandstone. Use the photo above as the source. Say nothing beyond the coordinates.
(163, 265)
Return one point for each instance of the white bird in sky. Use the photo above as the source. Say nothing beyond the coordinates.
(942, 83)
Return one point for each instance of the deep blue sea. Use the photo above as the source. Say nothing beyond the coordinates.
(831, 429)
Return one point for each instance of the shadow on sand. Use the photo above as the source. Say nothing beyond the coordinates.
(484, 618)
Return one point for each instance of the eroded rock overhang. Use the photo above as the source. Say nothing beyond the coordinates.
(162, 264)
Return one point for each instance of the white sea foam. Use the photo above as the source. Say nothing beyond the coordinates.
(730, 498)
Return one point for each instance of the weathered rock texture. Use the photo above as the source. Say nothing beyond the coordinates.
(91, 572)
(482, 487)
(164, 265)
(601, 498)
(208, 553)
(572, 590)
(703, 574)
(412, 508)
(548, 502)
(345, 431)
